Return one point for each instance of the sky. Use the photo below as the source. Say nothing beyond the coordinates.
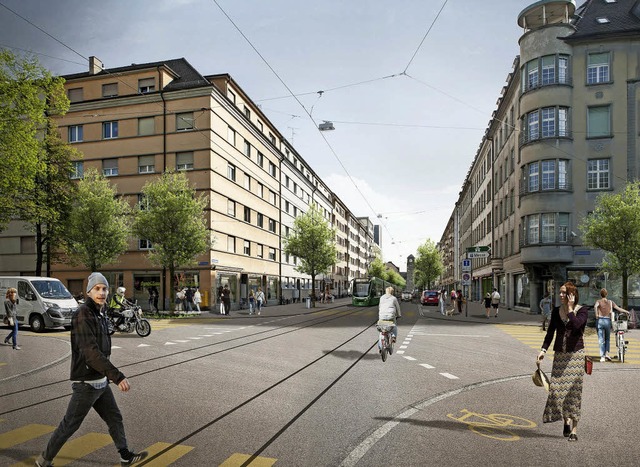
(410, 85)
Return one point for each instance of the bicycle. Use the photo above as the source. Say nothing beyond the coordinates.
(620, 327)
(386, 339)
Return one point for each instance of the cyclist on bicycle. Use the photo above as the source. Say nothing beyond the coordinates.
(389, 310)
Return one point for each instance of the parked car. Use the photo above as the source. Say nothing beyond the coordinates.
(406, 296)
(429, 297)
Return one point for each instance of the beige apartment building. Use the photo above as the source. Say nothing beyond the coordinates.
(565, 130)
(135, 122)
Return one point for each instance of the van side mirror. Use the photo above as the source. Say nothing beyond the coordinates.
(30, 296)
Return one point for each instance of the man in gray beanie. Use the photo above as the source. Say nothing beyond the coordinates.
(91, 372)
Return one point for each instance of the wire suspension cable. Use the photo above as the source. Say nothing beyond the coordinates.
(425, 36)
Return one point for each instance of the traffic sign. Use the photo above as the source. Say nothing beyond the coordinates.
(478, 249)
(466, 265)
(479, 254)
(466, 278)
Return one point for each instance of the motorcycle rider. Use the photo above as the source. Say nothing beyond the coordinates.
(389, 310)
(117, 304)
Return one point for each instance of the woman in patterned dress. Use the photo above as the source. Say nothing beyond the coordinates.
(567, 322)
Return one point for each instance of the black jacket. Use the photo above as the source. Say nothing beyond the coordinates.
(91, 345)
(574, 330)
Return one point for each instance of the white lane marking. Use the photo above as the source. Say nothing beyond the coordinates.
(361, 450)
(427, 366)
(449, 375)
(195, 338)
(206, 335)
(403, 346)
(410, 358)
(455, 335)
(144, 345)
(115, 347)
(406, 342)
(182, 341)
(399, 352)
(409, 335)
(169, 343)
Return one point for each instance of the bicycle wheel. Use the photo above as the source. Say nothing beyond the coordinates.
(621, 349)
(384, 341)
(390, 345)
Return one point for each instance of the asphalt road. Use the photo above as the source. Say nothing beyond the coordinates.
(306, 387)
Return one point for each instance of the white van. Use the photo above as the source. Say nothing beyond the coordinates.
(43, 302)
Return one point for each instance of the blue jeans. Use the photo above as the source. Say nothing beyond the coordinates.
(604, 334)
(13, 335)
(85, 397)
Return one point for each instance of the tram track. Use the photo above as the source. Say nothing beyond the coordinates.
(297, 327)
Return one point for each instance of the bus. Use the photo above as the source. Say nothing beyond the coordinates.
(367, 291)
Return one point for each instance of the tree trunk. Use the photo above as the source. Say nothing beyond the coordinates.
(313, 290)
(172, 271)
(625, 298)
(38, 249)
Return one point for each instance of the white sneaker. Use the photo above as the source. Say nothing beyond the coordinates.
(602, 359)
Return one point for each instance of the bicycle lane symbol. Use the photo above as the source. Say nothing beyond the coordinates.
(494, 426)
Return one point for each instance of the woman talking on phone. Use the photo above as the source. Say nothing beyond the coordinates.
(567, 323)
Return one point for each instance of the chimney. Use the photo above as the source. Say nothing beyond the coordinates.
(95, 65)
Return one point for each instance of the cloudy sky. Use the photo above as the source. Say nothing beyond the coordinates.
(409, 84)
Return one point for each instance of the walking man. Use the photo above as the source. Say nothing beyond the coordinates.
(91, 372)
(495, 301)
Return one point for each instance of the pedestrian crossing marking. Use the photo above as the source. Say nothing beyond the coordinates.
(237, 459)
(166, 458)
(533, 336)
(74, 449)
(23, 434)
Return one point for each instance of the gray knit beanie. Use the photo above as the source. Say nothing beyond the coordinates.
(96, 278)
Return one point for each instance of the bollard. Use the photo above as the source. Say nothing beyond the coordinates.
(308, 304)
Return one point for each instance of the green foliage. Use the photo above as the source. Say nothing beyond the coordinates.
(171, 218)
(614, 226)
(98, 225)
(395, 278)
(428, 264)
(378, 269)
(28, 95)
(313, 242)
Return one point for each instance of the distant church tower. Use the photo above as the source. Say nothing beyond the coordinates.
(410, 271)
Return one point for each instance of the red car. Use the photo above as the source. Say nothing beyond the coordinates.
(429, 297)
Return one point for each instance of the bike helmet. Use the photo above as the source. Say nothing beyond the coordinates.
(120, 291)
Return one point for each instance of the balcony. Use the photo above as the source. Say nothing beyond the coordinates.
(557, 186)
(528, 137)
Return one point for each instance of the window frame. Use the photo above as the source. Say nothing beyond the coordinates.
(599, 174)
(185, 121)
(595, 72)
(75, 133)
(110, 129)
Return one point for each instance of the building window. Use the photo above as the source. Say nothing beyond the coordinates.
(598, 68)
(75, 133)
(231, 136)
(184, 160)
(75, 95)
(247, 214)
(78, 169)
(545, 71)
(110, 167)
(231, 172)
(146, 164)
(554, 123)
(247, 248)
(109, 130)
(146, 126)
(184, 121)
(231, 244)
(548, 70)
(259, 219)
(599, 122)
(598, 177)
(247, 148)
(260, 252)
(532, 74)
(231, 96)
(548, 122)
(272, 169)
(260, 159)
(272, 225)
(272, 254)
(286, 206)
(231, 208)
(110, 90)
(548, 227)
(534, 176)
(261, 126)
(143, 202)
(247, 182)
(272, 197)
(146, 85)
(260, 190)
(533, 229)
(247, 112)
(144, 244)
(272, 138)
(548, 175)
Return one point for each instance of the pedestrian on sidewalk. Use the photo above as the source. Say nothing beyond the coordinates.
(487, 304)
(495, 301)
(441, 301)
(459, 300)
(197, 299)
(11, 317)
(252, 302)
(91, 371)
(545, 309)
(226, 299)
(567, 323)
(260, 299)
(603, 309)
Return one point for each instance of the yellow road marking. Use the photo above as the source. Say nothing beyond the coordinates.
(23, 434)
(74, 449)
(238, 459)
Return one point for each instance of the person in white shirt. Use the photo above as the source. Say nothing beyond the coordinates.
(389, 310)
(495, 301)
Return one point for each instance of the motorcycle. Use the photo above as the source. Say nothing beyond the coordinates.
(131, 319)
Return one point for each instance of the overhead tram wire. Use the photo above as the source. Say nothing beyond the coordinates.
(423, 39)
(303, 107)
(41, 54)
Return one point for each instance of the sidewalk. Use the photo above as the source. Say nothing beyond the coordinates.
(474, 312)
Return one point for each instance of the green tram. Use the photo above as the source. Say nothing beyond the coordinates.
(367, 292)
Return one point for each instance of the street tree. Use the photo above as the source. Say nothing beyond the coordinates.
(98, 226)
(313, 242)
(29, 95)
(377, 269)
(396, 279)
(428, 265)
(614, 227)
(170, 216)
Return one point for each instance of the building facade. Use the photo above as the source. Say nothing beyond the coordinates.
(136, 122)
(565, 130)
